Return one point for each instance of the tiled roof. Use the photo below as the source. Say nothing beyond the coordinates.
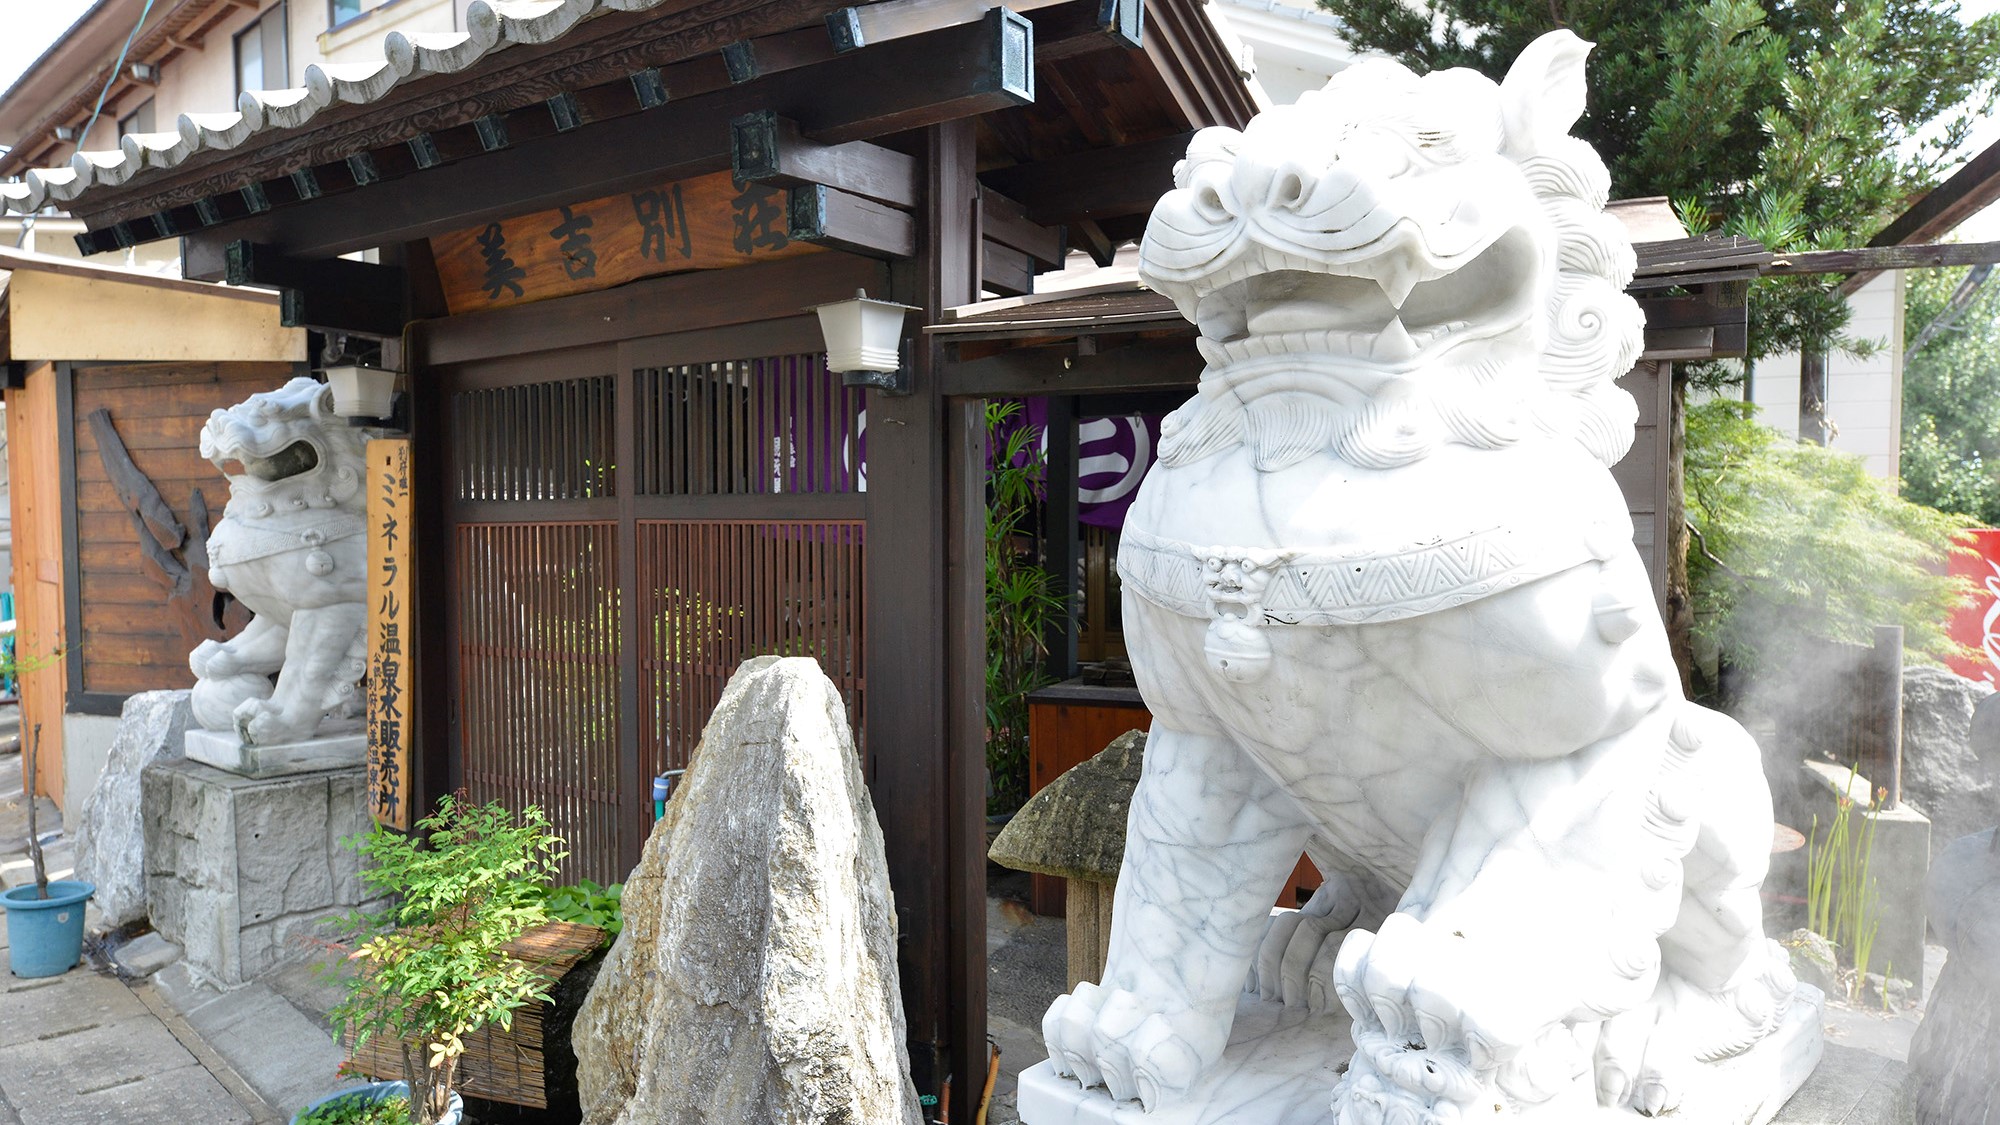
(490, 25)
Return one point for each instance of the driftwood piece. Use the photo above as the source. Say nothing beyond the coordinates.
(134, 487)
(199, 611)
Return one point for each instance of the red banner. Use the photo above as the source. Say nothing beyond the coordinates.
(1977, 623)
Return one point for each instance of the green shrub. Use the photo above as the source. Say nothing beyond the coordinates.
(433, 969)
(1794, 544)
(358, 1111)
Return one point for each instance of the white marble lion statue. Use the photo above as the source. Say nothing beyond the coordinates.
(291, 548)
(1382, 599)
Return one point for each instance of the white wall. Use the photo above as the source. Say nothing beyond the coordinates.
(86, 747)
(1864, 397)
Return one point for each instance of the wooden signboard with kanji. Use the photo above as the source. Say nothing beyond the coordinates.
(709, 222)
(389, 634)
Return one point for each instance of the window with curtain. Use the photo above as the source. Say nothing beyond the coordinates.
(260, 52)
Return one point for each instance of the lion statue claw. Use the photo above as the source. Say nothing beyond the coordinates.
(1382, 599)
(290, 547)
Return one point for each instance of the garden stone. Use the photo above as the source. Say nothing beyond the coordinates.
(110, 836)
(1945, 772)
(1074, 827)
(1954, 1065)
(755, 979)
(1812, 960)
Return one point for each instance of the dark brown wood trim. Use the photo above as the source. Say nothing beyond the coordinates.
(1097, 184)
(958, 72)
(656, 307)
(1006, 222)
(65, 374)
(791, 335)
(827, 216)
(768, 149)
(603, 52)
(1172, 365)
(1944, 207)
(634, 791)
(773, 506)
(1879, 258)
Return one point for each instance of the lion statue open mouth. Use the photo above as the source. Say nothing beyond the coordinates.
(1382, 599)
(291, 548)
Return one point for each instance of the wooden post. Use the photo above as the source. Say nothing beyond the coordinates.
(1887, 661)
(925, 586)
(1679, 607)
(1812, 397)
(1059, 532)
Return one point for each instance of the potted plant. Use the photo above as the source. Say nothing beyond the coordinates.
(45, 917)
(432, 968)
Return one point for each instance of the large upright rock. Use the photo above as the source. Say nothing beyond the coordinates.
(1944, 772)
(755, 979)
(1955, 1058)
(110, 834)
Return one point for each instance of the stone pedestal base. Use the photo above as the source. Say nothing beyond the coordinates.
(226, 752)
(239, 871)
(1280, 1069)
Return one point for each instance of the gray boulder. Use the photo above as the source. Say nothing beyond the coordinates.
(754, 982)
(110, 834)
(1954, 1062)
(1945, 773)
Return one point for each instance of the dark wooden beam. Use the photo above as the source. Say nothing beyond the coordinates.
(1944, 207)
(765, 148)
(654, 307)
(1091, 239)
(1004, 221)
(334, 295)
(355, 314)
(1098, 184)
(1167, 365)
(1875, 259)
(869, 24)
(828, 216)
(1005, 270)
(248, 263)
(959, 72)
(608, 50)
(1091, 25)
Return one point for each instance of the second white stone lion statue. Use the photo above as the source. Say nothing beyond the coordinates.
(291, 547)
(1382, 599)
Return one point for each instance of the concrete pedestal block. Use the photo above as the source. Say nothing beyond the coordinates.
(227, 752)
(240, 870)
(1902, 857)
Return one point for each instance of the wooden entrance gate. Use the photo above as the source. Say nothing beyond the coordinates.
(628, 524)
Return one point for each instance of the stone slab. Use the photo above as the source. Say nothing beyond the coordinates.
(110, 832)
(145, 955)
(78, 1000)
(1279, 1070)
(282, 759)
(284, 1056)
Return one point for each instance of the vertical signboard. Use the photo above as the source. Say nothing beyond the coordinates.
(389, 631)
(1977, 623)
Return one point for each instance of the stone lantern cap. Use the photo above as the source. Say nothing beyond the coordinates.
(1075, 827)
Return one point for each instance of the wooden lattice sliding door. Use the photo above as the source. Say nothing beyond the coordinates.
(621, 542)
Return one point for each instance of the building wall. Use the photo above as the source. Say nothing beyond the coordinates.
(1864, 397)
(204, 80)
(131, 639)
(38, 569)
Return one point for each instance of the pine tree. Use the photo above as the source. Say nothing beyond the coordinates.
(1805, 125)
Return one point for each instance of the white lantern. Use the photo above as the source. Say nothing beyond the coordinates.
(864, 338)
(362, 392)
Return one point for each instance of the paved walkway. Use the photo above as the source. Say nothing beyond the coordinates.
(86, 1048)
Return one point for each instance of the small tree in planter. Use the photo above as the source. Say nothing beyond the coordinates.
(431, 969)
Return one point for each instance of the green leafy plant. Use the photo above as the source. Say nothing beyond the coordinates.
(1842, 898)
(1951, 392)
(1804, 125)
(432, 968)
(588, 904)
(358, 1110)
(1020, 601)
(1795, 544)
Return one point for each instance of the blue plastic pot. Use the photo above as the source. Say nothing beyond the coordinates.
(45, 935)
(382, 1091)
